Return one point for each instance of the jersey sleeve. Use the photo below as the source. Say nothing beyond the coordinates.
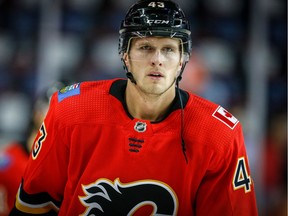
(227, 188)
(43, 183)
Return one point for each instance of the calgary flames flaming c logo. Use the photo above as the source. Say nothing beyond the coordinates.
(105, 197)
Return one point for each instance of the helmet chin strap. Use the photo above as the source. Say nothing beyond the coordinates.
(178, 79)
(129, 74)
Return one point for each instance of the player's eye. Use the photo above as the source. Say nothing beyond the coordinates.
(145, 47)
(168, 49)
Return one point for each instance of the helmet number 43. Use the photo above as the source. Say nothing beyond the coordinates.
(156, 4)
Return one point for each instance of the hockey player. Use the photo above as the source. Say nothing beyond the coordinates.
(140, 146)
(14, 155)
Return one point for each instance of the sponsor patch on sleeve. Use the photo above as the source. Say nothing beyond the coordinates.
(225, 117)
(68, 91)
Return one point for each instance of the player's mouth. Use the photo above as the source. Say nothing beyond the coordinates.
(155, 75)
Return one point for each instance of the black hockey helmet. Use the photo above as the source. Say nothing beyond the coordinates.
(155, 18)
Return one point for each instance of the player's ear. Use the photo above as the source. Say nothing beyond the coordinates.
(126, 58)
(180, 64)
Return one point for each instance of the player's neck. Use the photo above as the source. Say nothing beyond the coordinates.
(147, 107)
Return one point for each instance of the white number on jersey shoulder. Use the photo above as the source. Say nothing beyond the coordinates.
(42, 134)
(241, 176)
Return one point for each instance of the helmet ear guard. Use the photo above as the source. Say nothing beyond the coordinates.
(148, 18)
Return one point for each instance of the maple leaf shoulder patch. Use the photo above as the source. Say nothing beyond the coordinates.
(225, 117)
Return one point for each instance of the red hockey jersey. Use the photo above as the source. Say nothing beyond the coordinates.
(91, 157)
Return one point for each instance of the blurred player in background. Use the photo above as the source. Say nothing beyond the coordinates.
(13, 160)
(142, 145)
(14, 156)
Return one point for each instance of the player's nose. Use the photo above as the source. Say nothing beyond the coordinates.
(157, 58)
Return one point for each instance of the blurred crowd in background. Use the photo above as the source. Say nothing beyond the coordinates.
(239, 60)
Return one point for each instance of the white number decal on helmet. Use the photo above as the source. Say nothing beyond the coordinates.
(156, 4)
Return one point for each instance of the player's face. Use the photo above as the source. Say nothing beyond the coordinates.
(155, 63)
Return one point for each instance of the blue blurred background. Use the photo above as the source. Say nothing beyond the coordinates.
(239, 60)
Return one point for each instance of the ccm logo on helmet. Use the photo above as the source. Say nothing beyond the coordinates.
(158, 21)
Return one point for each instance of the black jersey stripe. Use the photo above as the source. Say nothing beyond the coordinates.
(35, 203)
